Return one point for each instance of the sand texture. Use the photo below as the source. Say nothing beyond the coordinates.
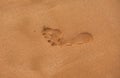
(59, 38)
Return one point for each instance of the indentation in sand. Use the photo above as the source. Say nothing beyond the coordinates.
(55, 37)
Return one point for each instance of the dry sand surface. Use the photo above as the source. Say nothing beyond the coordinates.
(59, 38)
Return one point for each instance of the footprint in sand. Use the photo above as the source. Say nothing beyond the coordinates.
(54, 37)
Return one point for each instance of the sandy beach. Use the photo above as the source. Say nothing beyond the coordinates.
(59, 39)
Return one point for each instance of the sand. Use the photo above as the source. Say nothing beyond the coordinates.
(59, 39)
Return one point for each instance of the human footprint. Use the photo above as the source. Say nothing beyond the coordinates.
(54, 37)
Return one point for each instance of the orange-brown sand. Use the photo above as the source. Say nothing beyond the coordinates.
(59, 39)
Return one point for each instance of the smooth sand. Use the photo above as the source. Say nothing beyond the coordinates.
(59, 39)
